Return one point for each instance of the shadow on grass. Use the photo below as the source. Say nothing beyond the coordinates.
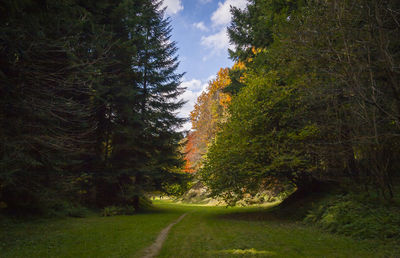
(293, 209)
(260, 215)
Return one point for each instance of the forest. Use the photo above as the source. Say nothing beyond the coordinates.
(88, 98)
(309, 113)
(303, 130)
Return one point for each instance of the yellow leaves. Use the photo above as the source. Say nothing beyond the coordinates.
(239, 65)
(209, 111)
(220, 82)
(256, 50)
(225, 99)
(203, 113)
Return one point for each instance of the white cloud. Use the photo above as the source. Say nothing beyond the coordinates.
(211, 78)
(217, 42)
(192, 85)
(186, 126)
(200, 26)
(194, 88)
(222, 16)
(173, 6)
(190, 97)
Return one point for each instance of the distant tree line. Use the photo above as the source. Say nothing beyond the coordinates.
(317, 99)
(88, 98)
(209, 112)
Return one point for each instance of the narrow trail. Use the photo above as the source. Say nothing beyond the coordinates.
(155, 248)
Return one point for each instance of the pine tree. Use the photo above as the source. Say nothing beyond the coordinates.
(46, 70)
(139, 143)
(88, 88)
(159, 89)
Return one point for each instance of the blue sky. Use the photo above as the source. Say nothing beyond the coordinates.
(199, 28)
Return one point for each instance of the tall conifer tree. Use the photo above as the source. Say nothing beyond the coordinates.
(140, 143)
(159, 89)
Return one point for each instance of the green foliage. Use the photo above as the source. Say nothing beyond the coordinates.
(138, 142)
(177, 189)
(115, 210)
(254, 26)
(262, 140)
(77, 211)
(315, 102)
(144, 204)
(357, 217)
(88, 100)
(45, 116)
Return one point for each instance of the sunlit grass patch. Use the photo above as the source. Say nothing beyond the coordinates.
(251, 251)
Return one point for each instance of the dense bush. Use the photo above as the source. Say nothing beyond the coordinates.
(117, 210)
(109, 211)
(358, 217)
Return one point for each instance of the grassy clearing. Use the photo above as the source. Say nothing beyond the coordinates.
(205, 232)
(119, 236)
(254, 232)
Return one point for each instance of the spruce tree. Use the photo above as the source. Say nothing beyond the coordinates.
(140, 144)
(45, 76)
(156, 64)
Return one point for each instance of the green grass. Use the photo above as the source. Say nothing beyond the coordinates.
(254, 232)
(205, 232)
(119, 236)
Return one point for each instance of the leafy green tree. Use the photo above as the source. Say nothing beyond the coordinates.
(317, 103)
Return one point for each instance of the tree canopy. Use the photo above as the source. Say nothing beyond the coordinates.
(317, 100)
(88, 98)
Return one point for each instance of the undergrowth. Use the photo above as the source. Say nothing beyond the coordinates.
(358, 217)
(144, 204)
(117, 210)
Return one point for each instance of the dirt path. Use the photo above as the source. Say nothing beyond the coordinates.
(155, 248)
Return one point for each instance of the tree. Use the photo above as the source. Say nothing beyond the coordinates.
(145, 143)
(253, 27)
(210, 111)
(317, 103)
(46, 74)
(89, 92)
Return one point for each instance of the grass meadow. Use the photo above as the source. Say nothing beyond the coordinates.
(206, 231)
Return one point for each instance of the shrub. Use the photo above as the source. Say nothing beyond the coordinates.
(77, 211)
(357, 217)
(117, 210)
